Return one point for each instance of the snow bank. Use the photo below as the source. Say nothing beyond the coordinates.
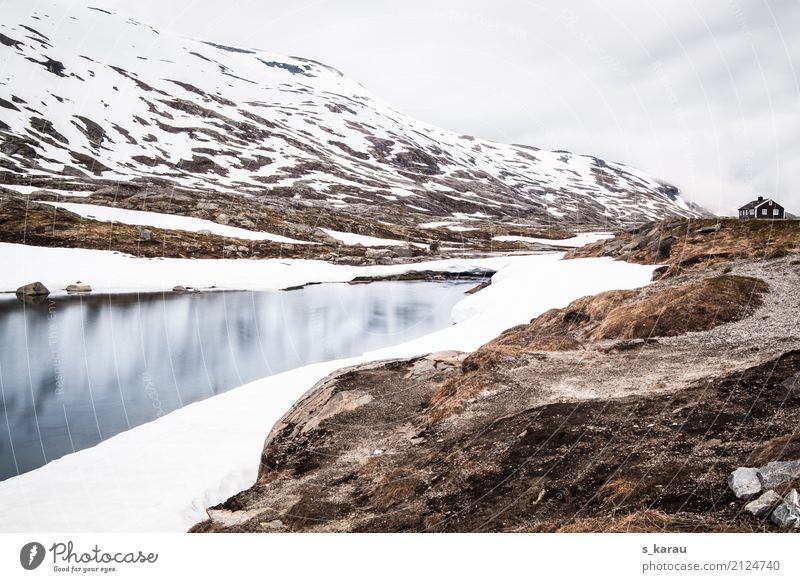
(30, 189)
(162, 475)
(349, 239)
(109, 271)
(168, 221)
(576, 241)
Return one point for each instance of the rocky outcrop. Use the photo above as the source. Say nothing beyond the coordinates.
(682, 245)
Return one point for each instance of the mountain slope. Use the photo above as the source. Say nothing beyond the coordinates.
(95, 96)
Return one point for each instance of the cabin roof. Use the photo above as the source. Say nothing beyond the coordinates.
(757, 203)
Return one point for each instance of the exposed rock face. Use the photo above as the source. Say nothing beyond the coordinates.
(36, 288)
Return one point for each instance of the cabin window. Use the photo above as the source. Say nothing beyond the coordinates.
(775, 212)
(763, 212)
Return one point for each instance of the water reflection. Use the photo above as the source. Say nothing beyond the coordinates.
(77, 370)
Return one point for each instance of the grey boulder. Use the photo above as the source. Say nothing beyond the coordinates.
(144, 234)
(787, 514)
(764, 505)
(79, 287)
(744, 482)
(777, 473)
(792, 385)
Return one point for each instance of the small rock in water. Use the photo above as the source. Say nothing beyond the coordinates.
(744, 482)
(764, 505)
(79, 287)
(787, 514)
(33, 289)
(778, 473)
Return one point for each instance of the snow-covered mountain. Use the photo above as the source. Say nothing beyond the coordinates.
(95, 96)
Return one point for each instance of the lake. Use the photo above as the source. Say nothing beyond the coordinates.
(76, 370)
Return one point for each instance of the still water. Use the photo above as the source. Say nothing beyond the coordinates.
(77, 370)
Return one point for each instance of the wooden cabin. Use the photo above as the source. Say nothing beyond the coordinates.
(762, 209)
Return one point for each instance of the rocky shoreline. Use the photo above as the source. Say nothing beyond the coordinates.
(625, 411)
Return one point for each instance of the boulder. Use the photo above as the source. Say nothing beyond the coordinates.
(787, 514)
(378, 253)
(777, 473)
(635, 245)
(223, 219)
(144, 234)
(764, 505)
(79, 287)
(33, 289)
(404, 251)
(744, 482)
(792, 385)
(664, 248)
(204, 231)
(709, 229)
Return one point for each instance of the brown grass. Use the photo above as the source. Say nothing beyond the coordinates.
(696, 306)
(395, 488)
(642, 521)
(782, 448)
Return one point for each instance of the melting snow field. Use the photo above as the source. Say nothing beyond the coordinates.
(576, 241)
(30, 189)
(361, 239)
(108, 271)
(168, 221)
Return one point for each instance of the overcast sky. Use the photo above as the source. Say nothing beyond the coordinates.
(703, 94)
